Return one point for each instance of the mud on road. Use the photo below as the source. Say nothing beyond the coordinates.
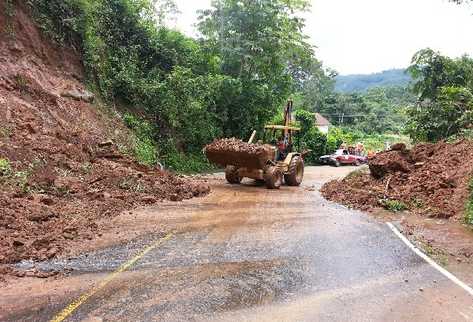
(245, 253)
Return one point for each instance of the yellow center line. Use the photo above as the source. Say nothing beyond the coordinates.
(84, 297)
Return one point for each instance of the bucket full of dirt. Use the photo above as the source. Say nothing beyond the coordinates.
(235, 152)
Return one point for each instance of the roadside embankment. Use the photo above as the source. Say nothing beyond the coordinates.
(63, 162)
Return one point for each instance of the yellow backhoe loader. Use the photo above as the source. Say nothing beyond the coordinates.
(280, 163)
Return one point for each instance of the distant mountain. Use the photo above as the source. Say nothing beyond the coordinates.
(360, 83)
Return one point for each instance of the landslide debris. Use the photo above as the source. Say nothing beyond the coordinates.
(235, 145)
(63, 173)
(430, 179)
(239, 153)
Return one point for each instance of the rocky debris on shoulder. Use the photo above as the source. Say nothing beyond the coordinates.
(430, 179)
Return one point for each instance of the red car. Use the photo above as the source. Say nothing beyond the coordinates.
(342, 156)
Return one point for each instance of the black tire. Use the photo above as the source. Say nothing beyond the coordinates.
(231, 174)
(295, 173)
(273, 177)
(357, 163)
(336, 163)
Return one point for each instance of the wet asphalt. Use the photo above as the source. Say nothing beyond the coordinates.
(246, 253)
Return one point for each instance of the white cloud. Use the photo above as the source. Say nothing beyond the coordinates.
(366, 36)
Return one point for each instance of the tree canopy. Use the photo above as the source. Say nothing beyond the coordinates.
(444, 87)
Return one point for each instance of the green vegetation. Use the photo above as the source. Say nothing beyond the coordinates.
(444, 86)
(181, 93)
(417, 203)
(439, 255)
(14, 178)
(250, 58)
(393, 205)
(469, 204)
(362, 83)
(377, 111)
(144, 147)
(5, 167)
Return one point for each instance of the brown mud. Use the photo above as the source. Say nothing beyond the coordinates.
(66, 174)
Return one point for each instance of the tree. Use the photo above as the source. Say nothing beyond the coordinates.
(165, 10)
(449, 114)
(263, 50)
(444, 86)
(315, 90)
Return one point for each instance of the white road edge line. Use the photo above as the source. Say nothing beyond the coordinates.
(429, 260)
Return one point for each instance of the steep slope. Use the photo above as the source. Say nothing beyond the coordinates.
(61, 171)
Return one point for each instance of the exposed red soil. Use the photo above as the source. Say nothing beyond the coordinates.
(430, 179)
(67, 174)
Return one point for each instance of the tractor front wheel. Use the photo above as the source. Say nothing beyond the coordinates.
(295, 172)
(231, 174)
(273, 177)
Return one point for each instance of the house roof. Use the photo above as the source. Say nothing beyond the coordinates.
(320, 120)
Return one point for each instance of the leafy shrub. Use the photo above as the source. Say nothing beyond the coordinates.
(393, 205)
(172, 159)
(187, 163)
(305, 119)
(448, 115)
(419, 204)
(144, 145)
(5, 167)
(334, 139)
(189, 91)
(62, 20)
(444, 86)
(315, 141)
(374, 142)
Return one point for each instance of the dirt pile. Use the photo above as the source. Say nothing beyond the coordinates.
(431, 179)
(239, 153)
(62, 169)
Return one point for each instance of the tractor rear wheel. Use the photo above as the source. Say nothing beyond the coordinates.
(273, 177)
(231, 174)
(295, 172)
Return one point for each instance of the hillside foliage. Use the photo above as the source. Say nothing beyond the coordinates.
(250, 58)
(444, 86)
(180, 93)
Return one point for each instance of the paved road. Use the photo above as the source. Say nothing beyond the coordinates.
(250, 254)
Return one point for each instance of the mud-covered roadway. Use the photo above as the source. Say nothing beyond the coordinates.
(243, 253)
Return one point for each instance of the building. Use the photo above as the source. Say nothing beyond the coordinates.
(322, 123)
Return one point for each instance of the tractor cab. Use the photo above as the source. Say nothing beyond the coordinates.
(282, 138)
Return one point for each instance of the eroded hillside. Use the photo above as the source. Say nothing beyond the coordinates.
(62, 169)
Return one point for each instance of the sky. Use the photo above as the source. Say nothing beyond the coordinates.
(367, 36)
